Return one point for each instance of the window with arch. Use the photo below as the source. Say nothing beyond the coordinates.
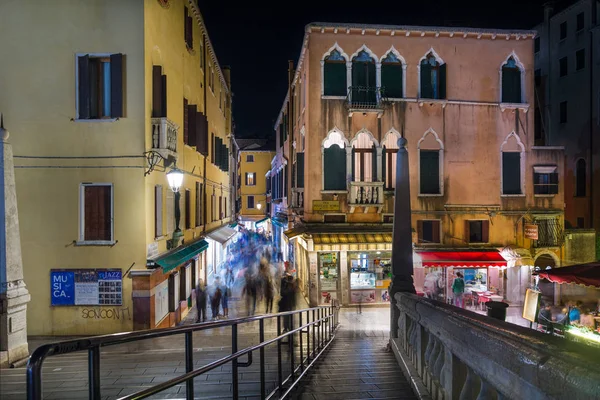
(511, 82)
(389, 154)
(364, 158)
(334, 162)
(433, 78)
(334, 74)
(430, 164)
(364, 79)
(512, 180)
(391, 76)
(580, 181)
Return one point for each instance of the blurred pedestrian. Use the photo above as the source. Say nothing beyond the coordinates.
(201, 301)
(269, 294)
(215, 299)
(286, 302)
(225, 293)
(249, 292)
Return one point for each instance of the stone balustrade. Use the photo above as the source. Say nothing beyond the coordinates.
(451, 353)
(164, 137)
(366, 194)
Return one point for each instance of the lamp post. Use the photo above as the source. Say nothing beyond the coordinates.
(175, 179)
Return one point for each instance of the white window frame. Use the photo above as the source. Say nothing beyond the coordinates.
(82, 241)
(91, 55)
(522, 69)
(248, 202)
(522, 166)
(376, 60)
(430, 131)
(249, 158)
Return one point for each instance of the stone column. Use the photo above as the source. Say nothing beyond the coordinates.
(402, 249)
(344, 292)
(14, 296)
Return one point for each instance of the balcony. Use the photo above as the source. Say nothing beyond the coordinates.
(164, 137)
(366, 194)
(365, 99)
(298, 198)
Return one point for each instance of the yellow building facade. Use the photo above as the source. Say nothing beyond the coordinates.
(127, 92)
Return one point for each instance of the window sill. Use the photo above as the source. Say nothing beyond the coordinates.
(544, 195)
(95, 120)
(512, 195)
(324, 97)
(514, 106)
(96, 243)
(157, 238)
(334, 192)
(430, 195)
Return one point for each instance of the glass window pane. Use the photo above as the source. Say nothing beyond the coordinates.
(106, 89)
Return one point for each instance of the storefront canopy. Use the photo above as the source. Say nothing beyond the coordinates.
(260, 221)
(292, 233)
(351, 238)
(222, 235)
(180, 255)
(581, 274)
(462, 259)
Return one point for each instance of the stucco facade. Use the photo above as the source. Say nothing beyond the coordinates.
(469, 128)
(61, 152)
(253, 166)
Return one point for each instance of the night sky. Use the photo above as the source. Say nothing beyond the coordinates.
(257, 40)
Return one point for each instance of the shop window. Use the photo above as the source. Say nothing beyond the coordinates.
(250, 203)
(545, 180)
(428, 231)
(334, 74)
(511, 82)
(511, 173)
(580, 22)
(580, 181)
(250, 178)
(563, 66)
(96, 213)
(369, 276)
(477, 231)
(429, 171)
(99, 86)
(433, 78)
(249, 157)
(563, 30)
(580, 59)
(392, 76)
(158, 211)
(364, 84)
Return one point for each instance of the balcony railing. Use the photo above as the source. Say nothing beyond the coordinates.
(366, 194)
(164, 137)
(365, 98)
(298, 198)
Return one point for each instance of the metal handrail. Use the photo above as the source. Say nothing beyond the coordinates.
(323, 326)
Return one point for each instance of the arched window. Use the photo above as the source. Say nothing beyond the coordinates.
(390, 152)
(391, 76)
(364, 158)
(430, 164)
(511, 82)
(334, 74)
(512, 162)
(364, 80)
(433, 77)
(580, 183)
(334, 161)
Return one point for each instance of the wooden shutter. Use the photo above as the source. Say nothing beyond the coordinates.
(163, 92)
(430, 172)
(467, 231)
(157, 91)
(335, 168)
(420, 230)
(511, 173)
(300, 170)
(435, 231)
(202, 135)
(553, 189)
(391, 80)
(485, 231)
(213, 147)
(158, 213)
(198, 204)
(442, 82)
(97, 211)
(426, 88)
(116, 85)
(192, 130)
(185, 121)
(511, 85)
(83, 86)
(334, 78)
(188, 219)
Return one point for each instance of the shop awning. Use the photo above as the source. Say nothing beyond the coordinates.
(222, 235)
(581, 274)
(260, 221)
(292, 233)
(462, 259)
(350, 238)
(180, 255)
(280, 222)
(233, 225)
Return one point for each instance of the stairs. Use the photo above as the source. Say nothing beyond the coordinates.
(355, 368)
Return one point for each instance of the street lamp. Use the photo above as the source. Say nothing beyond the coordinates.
(259, 206)
(175, 179)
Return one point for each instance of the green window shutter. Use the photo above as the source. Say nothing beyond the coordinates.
(442, 82)
(430, 172)
(511, 85)
(335, 168)
(374, 165)
(391, 80)
(116, 85)
(83, 71)
(335, 78)
(300, 169)
(511, 173)
(426, 88)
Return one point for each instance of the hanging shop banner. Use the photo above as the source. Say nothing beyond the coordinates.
(326, 205)
(531, 231)
(86, 287)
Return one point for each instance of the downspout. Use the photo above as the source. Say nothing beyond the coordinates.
(204, 213)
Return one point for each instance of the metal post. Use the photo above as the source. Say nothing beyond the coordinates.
(314, 333)
(234, 362)
(308, 336)
(279, 370)
(291, 343)
(94, 372)
(300, 337)
(189, 365)
(261, 333)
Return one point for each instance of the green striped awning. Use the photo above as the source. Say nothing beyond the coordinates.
(181, 255)
(261, 220)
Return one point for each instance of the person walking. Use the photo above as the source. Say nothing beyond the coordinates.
(458, 289)
(225, 293)
(269, 293)
(287, 300)
(215, 300)
(201, 301)
(249, 292)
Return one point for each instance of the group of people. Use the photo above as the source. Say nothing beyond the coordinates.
(572, 314)
(217, 294)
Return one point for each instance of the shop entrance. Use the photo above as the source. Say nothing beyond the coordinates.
(329, 267)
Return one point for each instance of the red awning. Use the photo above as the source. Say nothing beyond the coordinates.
(581, 274)
(462, 259)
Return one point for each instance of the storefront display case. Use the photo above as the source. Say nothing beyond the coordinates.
(369, 276)
(328, 276)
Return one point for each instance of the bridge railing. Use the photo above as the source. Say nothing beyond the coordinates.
(451, 353)
(316, 328)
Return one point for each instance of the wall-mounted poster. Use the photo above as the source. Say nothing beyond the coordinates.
(362, 296)
(161, 301)
(80, 287)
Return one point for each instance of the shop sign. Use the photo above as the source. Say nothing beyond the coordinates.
(531, 231)
(326, 205)
(362, 296)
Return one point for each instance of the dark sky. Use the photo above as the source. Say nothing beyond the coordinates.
(257, 40)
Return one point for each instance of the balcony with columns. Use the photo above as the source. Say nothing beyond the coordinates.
(164, 137)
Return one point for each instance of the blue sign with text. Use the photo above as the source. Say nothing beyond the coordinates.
(62, 288)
